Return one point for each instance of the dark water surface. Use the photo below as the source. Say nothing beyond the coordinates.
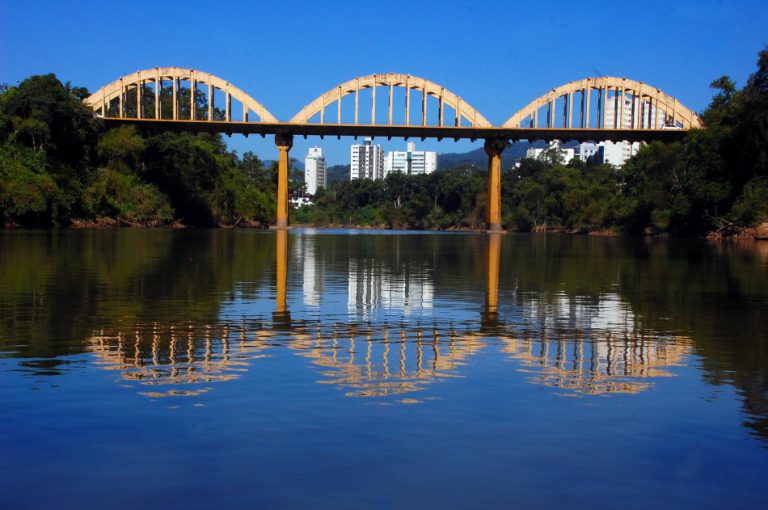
(318, 369)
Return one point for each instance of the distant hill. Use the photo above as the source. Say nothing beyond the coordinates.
(337, 173)
(296, 164)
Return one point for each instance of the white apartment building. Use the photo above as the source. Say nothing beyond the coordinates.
(586, 150)
(410, 161)
(565, 155)
(315, 170)
(617, 153)
(613, 153)
(366, 161)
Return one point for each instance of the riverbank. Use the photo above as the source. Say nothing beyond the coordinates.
(759, 233)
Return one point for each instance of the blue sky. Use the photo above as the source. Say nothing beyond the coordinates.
(498, 56)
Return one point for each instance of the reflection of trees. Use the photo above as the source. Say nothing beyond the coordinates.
(55, 286)
(717, 293)
(712, 293)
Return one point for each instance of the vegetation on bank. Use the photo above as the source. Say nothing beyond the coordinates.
(59, 165)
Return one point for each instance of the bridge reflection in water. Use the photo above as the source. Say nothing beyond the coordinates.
(382, 359)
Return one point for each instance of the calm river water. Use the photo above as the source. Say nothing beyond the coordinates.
(365, 369)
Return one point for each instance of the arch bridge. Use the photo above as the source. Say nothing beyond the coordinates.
(394, 105)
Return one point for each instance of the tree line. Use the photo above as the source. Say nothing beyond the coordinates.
(59, 165)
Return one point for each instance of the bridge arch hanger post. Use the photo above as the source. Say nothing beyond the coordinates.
(390, 82)
(603, 104)
(142, 95)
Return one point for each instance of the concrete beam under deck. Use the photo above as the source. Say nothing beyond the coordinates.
(423, 132)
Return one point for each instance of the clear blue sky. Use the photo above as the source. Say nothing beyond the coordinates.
(498, 55)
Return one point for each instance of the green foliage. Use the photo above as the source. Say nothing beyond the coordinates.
(124, 197)
(440, 200)
(27, 192)
(43, 116)
(714, 176)
(752, 205)
(122, 148)
(548, 194)
(57, 164)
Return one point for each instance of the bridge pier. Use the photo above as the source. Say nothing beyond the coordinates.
(284, 143)
(494, 147)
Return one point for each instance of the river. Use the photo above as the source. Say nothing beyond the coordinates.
(380, 369)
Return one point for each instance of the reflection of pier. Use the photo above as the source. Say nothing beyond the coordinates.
(380, 359)
(281, 315)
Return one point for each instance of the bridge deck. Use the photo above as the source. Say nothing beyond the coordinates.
(399, 131)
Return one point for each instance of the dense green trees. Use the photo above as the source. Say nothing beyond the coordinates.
(47, 142)
(717, 176)
(58, 164)
(453, 198)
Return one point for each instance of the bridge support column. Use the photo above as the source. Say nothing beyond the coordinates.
(284, 143)
(494, 147)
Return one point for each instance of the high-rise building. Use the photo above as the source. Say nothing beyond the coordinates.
(553, 150)
(410, 161)
(367, 161)
(631, 113)
(315, 170)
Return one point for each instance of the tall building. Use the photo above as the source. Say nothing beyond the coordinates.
(554, 148)
(410, 161)
(612, 153)
(632, 113)
(315, 170)
(367, 161)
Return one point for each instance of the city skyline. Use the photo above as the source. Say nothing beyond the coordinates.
(497, 86)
